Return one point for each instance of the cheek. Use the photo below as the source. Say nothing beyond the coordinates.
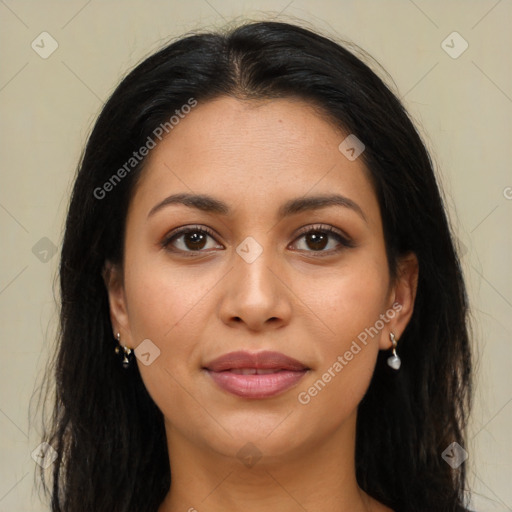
(356, 296)
(160, 299)
(170, 308)
(337, 386)
(356, 300)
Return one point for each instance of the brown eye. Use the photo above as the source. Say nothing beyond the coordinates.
(318, 238)
(190, 239)
(194, 240)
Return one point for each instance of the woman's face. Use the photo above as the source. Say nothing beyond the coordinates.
(248, 277)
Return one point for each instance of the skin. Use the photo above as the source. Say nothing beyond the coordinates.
(254, 156)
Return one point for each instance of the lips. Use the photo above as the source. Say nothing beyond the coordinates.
(256, 375)
(259, 361)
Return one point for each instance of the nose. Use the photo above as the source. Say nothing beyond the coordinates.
(255, 295)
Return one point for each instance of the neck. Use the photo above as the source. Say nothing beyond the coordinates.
(314, 478)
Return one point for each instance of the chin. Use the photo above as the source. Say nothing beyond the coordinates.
(271, 442)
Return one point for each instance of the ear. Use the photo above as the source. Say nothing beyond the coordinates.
(402, 297)
(113, 278)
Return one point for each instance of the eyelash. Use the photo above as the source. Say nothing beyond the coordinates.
(344, 241)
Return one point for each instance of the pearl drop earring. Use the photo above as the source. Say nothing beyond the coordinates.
(393, 360)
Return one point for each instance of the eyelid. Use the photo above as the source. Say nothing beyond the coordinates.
(326, 228)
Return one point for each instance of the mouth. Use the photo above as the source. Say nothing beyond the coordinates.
(254, 371)
(257, 375)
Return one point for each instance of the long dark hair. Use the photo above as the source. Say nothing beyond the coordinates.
(107, 431)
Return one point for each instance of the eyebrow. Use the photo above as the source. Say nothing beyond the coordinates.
(209, 204)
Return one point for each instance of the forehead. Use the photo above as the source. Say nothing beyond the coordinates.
(253, 153)
(230, 128)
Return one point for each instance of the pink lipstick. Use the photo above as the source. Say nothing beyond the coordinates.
(257, 375)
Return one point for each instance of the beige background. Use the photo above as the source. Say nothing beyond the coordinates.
(48, 106)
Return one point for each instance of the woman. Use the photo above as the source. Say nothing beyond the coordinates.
(262, 306)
